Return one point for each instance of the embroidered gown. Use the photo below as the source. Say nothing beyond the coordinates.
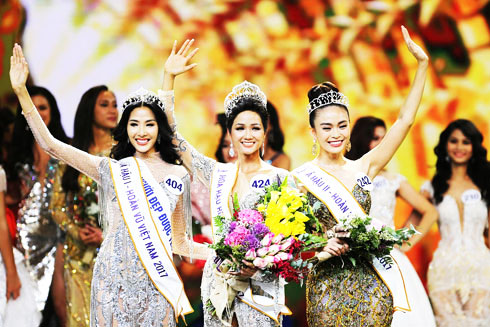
(339, 294)
(460, 266)
(122, 293)
(202, 167)
(383, 208)
(23, 311)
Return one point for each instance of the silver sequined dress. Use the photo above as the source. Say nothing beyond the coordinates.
(122, 293)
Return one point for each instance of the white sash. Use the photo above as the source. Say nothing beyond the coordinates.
(224, 178)
(342, 204)
(146, 212)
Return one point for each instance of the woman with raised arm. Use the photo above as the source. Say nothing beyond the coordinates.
(246, 121)
(459, 273)
(144, 196)
(74, 203)
(338, 293)
(366, 134)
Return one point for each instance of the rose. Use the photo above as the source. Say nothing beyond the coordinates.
(284, 256)
(250, 255)
(273, 249)
(266, 241)
(278, 238)
(262, 252)
(287, 244)
(263, 263)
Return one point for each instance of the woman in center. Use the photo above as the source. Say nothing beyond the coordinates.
(339, 293)
(262, 302)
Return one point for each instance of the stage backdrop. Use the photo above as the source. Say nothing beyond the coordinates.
(284, 47)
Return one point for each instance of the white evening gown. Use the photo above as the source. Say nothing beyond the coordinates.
(383, 204)
(459, 274)
(21, 312)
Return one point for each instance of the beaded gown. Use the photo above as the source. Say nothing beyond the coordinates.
(122, 293)
(459, 274)
(23, 311)
(202, 167)
(383, 208)
(72, 211)
(339, 294)
(38, 234)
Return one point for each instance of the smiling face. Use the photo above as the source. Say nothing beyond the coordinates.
(332, 129)
(378, 134)
(43, 107)
(143, 130)
(459, 147)
(247, 133)
(105, 110)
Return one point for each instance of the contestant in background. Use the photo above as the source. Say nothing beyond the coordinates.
(246, 122)
(17, 302)
(459, 274)
(33, 172)
(274, 142)
(366, 134)
(339, 294)
(134, 283)
(74, 203)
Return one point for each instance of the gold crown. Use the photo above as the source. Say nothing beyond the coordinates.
(243, 90)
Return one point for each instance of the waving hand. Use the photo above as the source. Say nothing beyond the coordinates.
(177, 62)
(19, 69)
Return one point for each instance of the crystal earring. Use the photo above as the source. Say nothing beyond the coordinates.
(158, 139)
(447, 158)
(263, 151)
(128, 140)
(314, 148)
(231, 152)
(348, 146)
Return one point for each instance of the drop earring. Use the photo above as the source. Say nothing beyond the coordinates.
(231, 152)
(158, 139)
(348, 146)
(314, 148)
(263, 150)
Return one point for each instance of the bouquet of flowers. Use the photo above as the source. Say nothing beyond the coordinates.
(270, 237)
(368, 239)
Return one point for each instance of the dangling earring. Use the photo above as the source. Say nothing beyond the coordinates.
(314, 148)
(262, 154)
(128, 140)
(158, 139)
(231, 152)
(348, 146)
(447, 158)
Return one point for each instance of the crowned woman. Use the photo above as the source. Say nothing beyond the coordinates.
(145, 208)
(339, 293)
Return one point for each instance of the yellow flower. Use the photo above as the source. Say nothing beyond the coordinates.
(261, 207)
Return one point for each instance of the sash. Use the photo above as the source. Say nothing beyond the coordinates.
(146, 212)
(342, 204)
(223, 180)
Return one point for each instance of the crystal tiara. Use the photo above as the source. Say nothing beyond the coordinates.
(325, 99)
(142, 96)
(244, 89)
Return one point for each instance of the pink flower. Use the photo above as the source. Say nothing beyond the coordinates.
(262, 252)
(287, 244)
(261, 263)
(250, 217)
(274, 248)
(278, 238)
(284, 256)
(266, 241)
(250, 255)
(237, 236)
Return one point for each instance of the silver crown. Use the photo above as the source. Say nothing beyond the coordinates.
(244, 89)
(325, 99)
(142, 96)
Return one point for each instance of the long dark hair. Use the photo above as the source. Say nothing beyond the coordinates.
(165, 147)
(275, 136)
(361, 136)
(221, 121)
(318, 90)
(478, 167)
(23, 140)
(83, 134)
(6, 118)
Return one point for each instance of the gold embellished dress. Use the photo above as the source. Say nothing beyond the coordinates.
(339, 294)
(73, 211)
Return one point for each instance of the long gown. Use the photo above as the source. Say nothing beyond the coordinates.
(71, 212)
(122, 293)
(202, 167)
(339, 294)
(38, 234)
(383, 208)
(23, 311)
(460, 266)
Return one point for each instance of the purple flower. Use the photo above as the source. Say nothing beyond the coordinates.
(259, 230)
(251, 242)
(232, 226)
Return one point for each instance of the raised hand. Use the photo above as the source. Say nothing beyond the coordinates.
(177, 62)
(413, 47)
(19, 70)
